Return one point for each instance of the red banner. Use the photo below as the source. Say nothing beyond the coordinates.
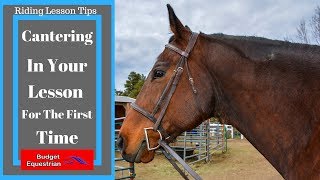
(70, 159)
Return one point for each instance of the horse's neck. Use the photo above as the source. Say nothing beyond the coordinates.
(260, 105)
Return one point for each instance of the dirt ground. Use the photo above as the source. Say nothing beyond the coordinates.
(241, 161)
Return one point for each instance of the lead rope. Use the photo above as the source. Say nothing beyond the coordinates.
(169, 153)
(174, 164)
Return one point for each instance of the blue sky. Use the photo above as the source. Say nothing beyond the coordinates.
(142, 27)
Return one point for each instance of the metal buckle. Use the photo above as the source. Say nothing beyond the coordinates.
(180, 68)
(147, 139)
(185, 54)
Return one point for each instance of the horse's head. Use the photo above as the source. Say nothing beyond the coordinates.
(174, 96)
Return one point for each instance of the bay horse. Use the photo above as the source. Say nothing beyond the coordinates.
(269, 90)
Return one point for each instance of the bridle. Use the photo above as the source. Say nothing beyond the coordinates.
(168, 92)
(164, 101)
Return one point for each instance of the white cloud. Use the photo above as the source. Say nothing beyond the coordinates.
(142, 27)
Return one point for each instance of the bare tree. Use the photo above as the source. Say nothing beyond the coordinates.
(309, 33)
(302, 32)
(315, 25)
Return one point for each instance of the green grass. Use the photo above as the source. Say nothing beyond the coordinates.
(241, 161)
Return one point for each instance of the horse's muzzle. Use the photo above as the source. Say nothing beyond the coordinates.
(120, 143)
(130, 157)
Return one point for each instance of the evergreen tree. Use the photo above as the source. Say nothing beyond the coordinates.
(133, 85)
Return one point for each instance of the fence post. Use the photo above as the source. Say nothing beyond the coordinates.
(231, 132)
(208, 140)
(225, 137)
(185, 146)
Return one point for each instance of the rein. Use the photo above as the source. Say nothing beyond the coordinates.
(163, 102)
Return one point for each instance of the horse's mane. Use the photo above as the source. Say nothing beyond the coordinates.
(259, 48)
(293, 58)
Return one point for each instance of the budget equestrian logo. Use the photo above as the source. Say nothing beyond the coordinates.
(75, 160)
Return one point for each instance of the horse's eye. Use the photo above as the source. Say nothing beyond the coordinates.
(158, 74)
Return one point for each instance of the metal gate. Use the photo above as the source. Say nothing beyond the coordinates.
(124, 170)
(198, 144)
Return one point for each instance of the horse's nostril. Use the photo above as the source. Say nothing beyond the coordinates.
(120, 143)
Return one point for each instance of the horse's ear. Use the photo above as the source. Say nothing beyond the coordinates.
(188, 28)
(176, 26)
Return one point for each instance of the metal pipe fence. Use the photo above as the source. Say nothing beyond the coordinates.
(192, 146)
(198, 144)
(124, 170)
